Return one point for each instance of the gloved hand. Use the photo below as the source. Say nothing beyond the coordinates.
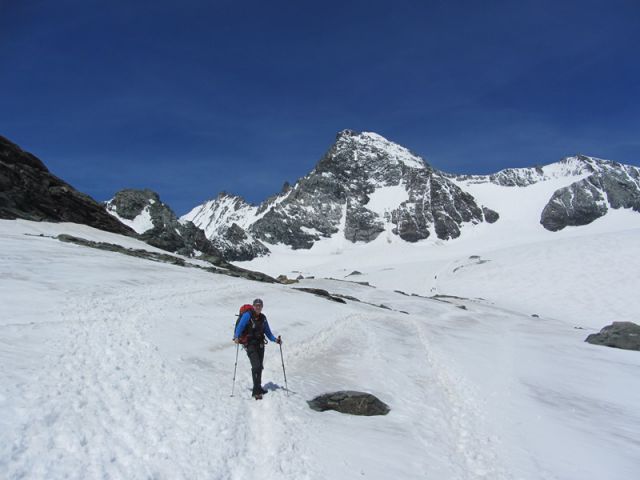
(279, 340)
(236, 340)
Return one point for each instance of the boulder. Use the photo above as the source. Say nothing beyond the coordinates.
(350, 402)
(285, 280)
(625, 335)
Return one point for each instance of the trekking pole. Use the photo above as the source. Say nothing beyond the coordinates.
(283, 371)
(235, 368)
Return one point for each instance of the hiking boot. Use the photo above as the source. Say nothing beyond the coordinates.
(257, 396)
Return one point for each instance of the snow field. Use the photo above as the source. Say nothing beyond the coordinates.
(122, 368)
(116, 367)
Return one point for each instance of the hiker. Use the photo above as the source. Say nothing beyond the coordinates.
(250, 332)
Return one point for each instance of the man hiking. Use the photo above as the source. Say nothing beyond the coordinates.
(250, 332)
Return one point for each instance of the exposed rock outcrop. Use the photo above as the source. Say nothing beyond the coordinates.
(221, 266)
(157, 225)
(350, 402)
(29, 191)
(625, 335)
(610, 185)
(593, 186)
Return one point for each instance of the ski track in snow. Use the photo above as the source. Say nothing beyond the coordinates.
(110, 405)
(106, 375)
(114, 367)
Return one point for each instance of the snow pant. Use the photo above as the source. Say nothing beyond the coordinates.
(256, 357)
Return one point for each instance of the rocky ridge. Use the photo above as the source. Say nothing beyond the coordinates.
(595, 185)
(363, 186)
(28, 190)
(225, 220)
(610, 185)
(522, 177)
(158, 225)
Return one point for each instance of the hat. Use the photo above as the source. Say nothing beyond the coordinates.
(258, 301)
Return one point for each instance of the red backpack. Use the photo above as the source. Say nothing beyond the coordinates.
(243, 309)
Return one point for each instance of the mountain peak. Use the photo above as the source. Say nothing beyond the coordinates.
(370, 149)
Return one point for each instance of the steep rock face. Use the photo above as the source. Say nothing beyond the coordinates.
(592, 186)
(434, 200)
(29, 191)
(363, 185)
(157, 224)
(224, 221)
(610, 185)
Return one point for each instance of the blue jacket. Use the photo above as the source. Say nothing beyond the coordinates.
(244, 321)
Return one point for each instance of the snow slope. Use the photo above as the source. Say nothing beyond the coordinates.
(117, 367)
(583, 275)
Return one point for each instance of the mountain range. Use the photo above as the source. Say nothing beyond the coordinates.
(366, 185)
(362, 187)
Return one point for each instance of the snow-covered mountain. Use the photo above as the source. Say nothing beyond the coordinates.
(226, 221)
(593, 186)
(157, 224)
(365, 186)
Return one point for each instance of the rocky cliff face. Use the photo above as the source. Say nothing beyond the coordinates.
(364, 185)
(593, 186)
(29, 191)
(609, 185)
(158, 225)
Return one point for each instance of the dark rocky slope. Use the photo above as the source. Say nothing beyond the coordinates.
(28, 190)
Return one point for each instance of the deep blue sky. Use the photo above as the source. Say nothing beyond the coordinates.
(193, 97)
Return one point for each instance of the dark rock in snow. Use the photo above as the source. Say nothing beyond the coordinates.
(489, 215)
(321, 293)
(347, 297)
(350, 402)
(610, 185)
(578, 204)
(225, 268)
(285, 280)
(29, 191)
(362, 225)
(625, 335)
